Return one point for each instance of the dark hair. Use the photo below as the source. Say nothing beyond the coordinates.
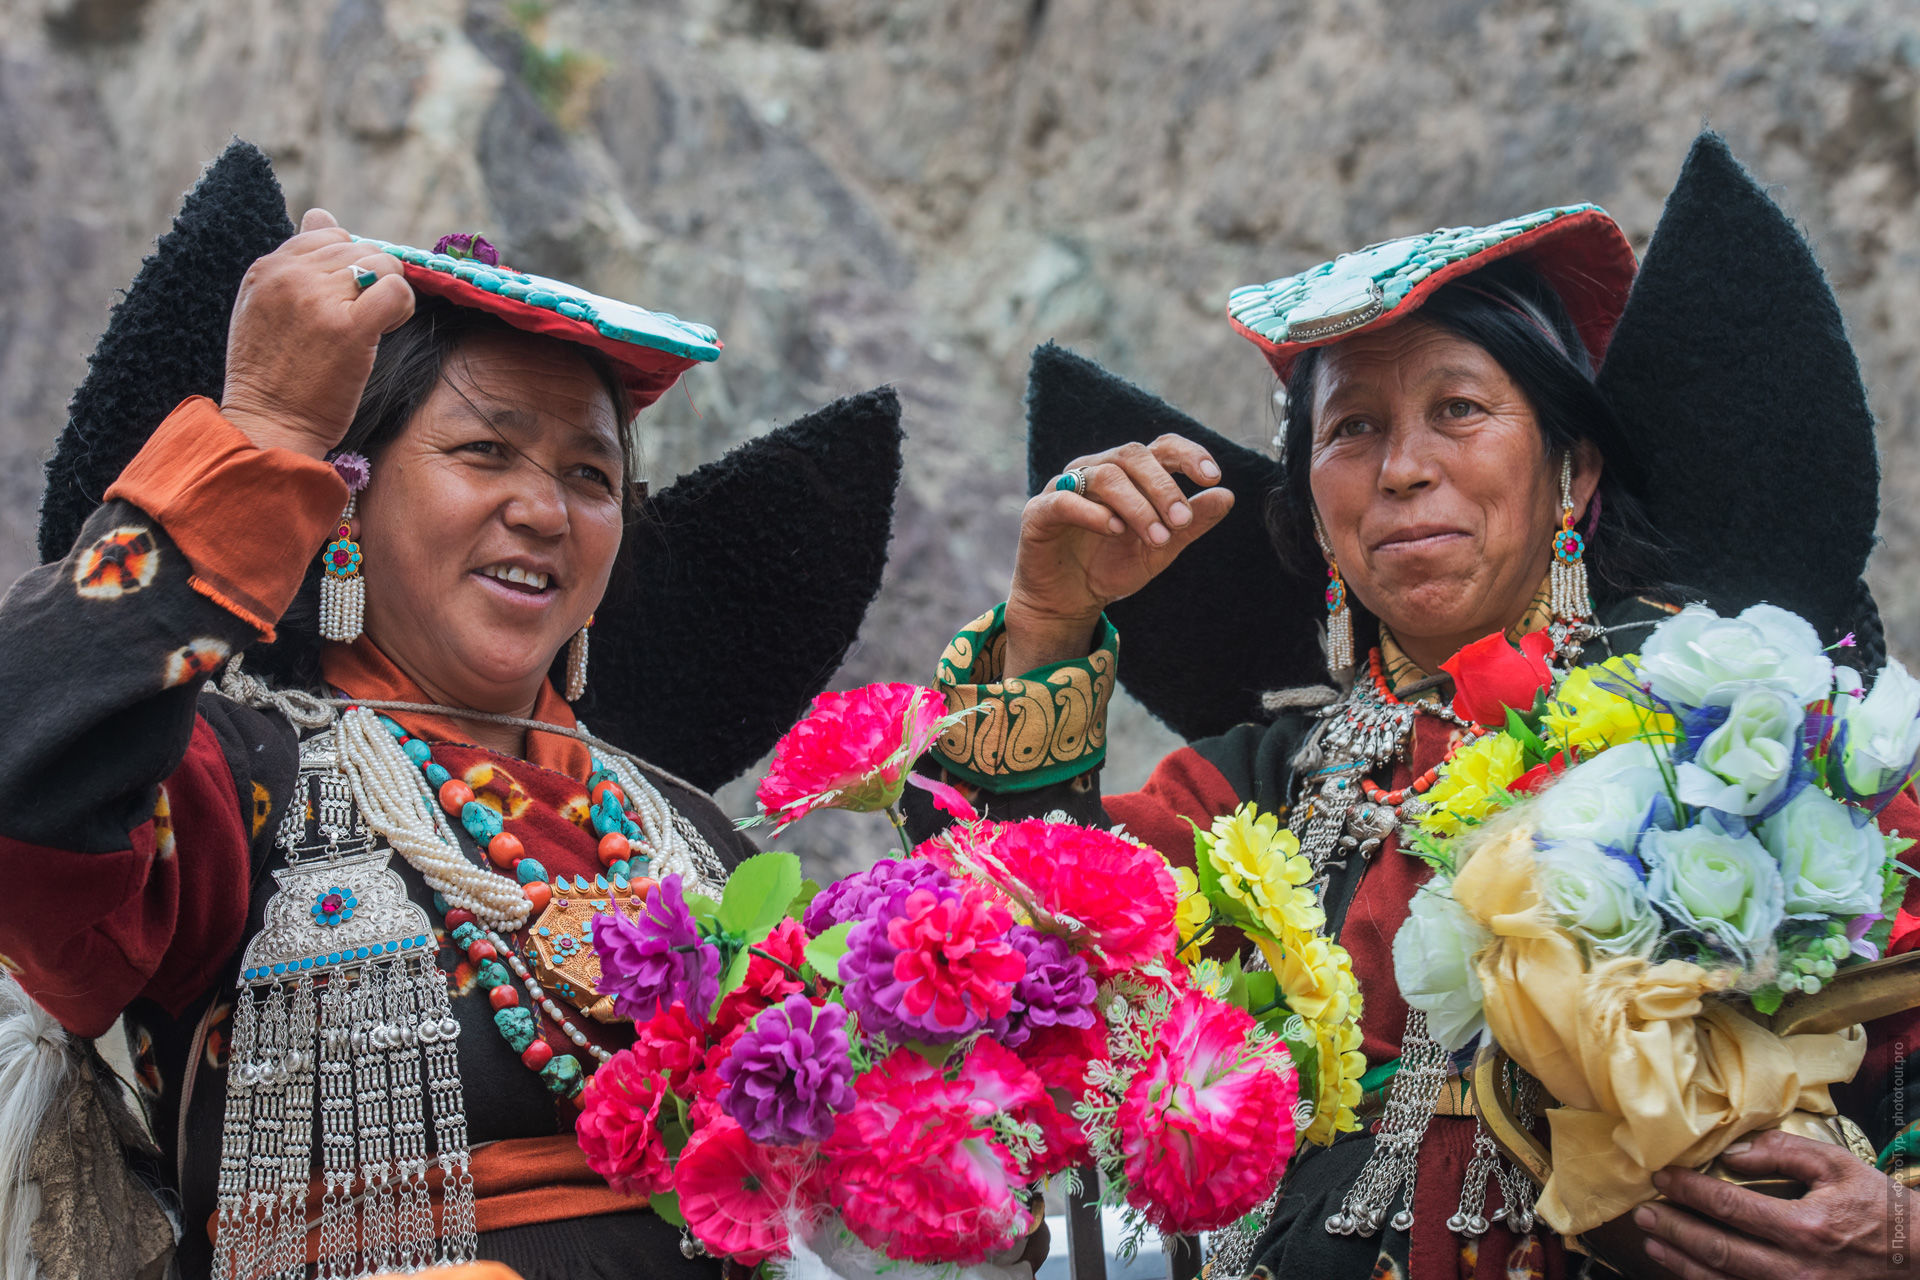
(410, 363)
(1511, 313)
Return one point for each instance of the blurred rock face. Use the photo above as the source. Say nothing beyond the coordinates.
(917, 192)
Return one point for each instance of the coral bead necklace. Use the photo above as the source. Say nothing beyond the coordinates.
(623, 850)
(1419, 786)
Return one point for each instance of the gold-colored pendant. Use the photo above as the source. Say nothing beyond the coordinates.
(565, 962)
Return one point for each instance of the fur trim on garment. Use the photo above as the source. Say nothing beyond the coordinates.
(35, 1067)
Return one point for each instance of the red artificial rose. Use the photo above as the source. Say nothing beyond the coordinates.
(1490, 676)
(1535, 778)
(1906, 933)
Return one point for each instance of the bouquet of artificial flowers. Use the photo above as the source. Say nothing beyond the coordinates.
(1638, 862)
(885, 1070)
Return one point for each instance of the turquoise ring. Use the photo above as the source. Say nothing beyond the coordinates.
(363, 279)
(1073, 481)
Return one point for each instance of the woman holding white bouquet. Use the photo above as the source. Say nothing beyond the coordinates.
(1502, 449)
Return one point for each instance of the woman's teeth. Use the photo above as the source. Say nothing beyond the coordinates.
(528, 578)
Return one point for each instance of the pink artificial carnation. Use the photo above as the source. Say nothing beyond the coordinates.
(851, 751)
(1207, 1123)
(1120, 892)
(955, 967)
(674, 1044)
(914, 1170)
(618, 1127)
(1001, 1081)
(735, 1193)
(766, 983)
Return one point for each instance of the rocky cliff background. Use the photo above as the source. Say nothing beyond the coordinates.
(918, 191)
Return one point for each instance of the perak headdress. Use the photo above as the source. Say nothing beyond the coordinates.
(731, 622)
(1744, 428)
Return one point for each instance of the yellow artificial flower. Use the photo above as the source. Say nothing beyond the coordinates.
(1584, 715)
(1473, 786)
(1261, 868)
(1315, 975)
(1337, 1086)
(1191, 916)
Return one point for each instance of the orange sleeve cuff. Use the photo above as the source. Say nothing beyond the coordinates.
(206, 484)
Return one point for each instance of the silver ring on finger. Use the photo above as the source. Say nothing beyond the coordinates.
(1073, 480)
(364, 279)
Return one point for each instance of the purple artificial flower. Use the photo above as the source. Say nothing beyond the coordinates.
(790, 1074)
(468, 246)
(1057, 991)
(353, 468)
(930, 963)
(648, 963)
(855, 897)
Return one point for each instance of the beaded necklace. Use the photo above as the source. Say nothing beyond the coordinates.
(623, 844)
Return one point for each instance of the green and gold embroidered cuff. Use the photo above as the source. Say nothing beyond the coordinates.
(1904, 1150)
(1037, 729)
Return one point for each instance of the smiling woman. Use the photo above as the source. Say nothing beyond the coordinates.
(337, 891)
(1480, 424)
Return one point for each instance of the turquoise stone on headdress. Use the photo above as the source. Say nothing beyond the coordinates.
(1371, 286)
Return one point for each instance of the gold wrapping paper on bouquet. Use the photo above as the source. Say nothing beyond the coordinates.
(1647, 1073)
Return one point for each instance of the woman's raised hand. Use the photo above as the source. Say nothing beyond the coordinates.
(303, 335)
(1079, 552)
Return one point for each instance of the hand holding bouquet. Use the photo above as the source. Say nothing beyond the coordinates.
(1639, 866)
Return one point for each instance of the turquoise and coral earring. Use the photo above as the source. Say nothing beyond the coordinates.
(1339, 615)
(1567, 580)
(343, 592)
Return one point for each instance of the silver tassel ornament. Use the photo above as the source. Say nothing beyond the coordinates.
(577, 664)
(1388, 1176)
(342, 1019)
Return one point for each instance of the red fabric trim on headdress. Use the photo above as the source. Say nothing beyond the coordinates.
(647, 372)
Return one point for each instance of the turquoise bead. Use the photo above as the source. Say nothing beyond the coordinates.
(482, 823)
(393, 727)
(516, 1026)
(417, 751)
(490, 975)
(440, 903)
(437, 775)
(466, 935)
(563, 1075)
(529, 870)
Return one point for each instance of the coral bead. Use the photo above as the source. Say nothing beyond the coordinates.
(539, 893)
(503, 997)
(505, 851)
(482, 950)
(537, 1055)
(457, 917)
(455, 795)
(642, 887)
(614, 847)
(601, 788)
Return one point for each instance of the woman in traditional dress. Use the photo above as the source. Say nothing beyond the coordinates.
(413, 495)
(1456, 461)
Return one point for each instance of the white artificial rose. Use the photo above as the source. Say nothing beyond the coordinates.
(1597, 898)
(1605, 800)
(1882, 732)
(1745, 765)
(1832, 857)
(1721, 883)
(1433, 957)
(1699, 659)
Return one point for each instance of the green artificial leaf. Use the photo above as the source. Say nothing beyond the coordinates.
(935, 1054)
(735, 975)
(809, 890)
(758, 892)
(1767, 999)
(824, 952)
(702, 907)
(1237, 976)
(1532, 749)
(1263, 996)
(667, 1205)
(1305, 1049)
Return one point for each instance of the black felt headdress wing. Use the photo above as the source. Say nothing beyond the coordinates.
(751, 575)
(1741, 406)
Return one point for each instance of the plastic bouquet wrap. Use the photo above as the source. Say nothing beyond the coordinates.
(840, 1080)
(1638, 862)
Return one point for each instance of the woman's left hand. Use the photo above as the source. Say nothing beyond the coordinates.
(1842, 1227)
